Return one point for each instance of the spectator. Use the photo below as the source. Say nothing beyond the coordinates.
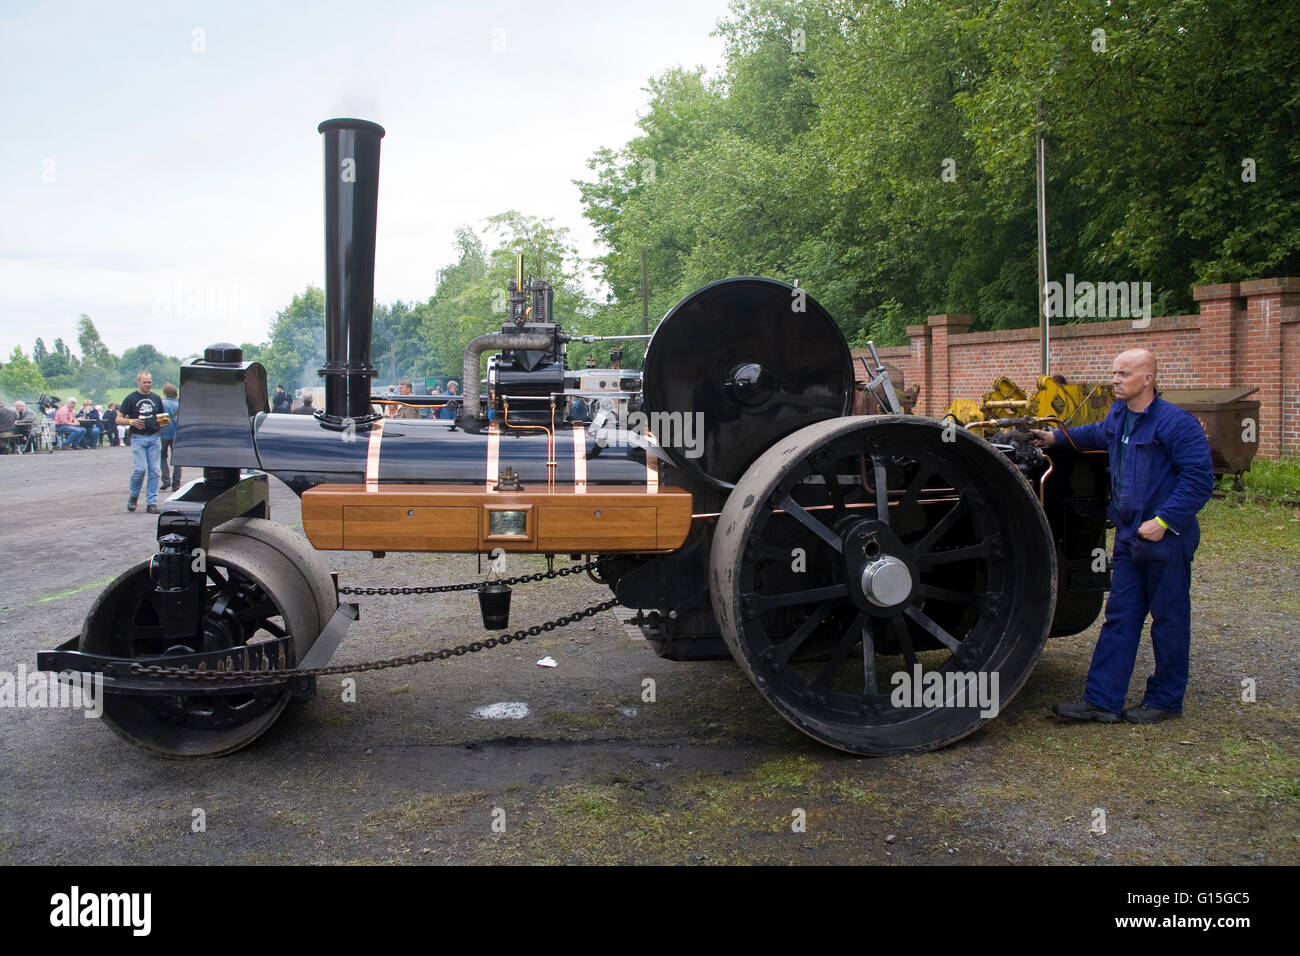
(7, 418)
(282, 404)
(90, 413)
(25, 424)
(578, 411)
(65, 424)
(404, 388)
(452, 408)
(140, 410)
(168, 434)
(306, 408)
(109, 418)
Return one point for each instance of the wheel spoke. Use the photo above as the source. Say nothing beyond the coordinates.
(868, 657)
(946, 594)
(842, 649)
(835, 491)
(982, 550)
(795, 510)
(942, 636)
(781, 653)
(942, 527)
(882, 489)
(923, 475)
(768, 602)
(904, 638)
(258, 612)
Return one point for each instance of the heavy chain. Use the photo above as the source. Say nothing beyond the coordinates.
(444, 588)
(157, 670)
(185, 673)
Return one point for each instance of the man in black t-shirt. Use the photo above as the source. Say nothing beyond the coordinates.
(140, 410)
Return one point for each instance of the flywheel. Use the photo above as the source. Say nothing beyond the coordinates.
(750, 360)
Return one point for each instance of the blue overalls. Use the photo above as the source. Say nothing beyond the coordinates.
(1164, 470)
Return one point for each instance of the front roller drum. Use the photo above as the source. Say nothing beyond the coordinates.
(262, 582)
(886, 583)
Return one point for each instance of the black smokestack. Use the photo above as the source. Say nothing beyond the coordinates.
(351, 203)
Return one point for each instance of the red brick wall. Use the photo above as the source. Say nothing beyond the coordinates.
(1246, 334)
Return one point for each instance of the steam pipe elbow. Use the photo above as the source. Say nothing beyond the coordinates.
(474, 351)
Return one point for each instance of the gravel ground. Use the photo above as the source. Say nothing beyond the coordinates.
(594, 773)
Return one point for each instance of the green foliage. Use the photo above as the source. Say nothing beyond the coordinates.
(1277, 479)
(58, 365)
(20, 378)
(93, 349)
(470, 298)
(98, 373)
(883, 153)
(297, 347)
(163, 368)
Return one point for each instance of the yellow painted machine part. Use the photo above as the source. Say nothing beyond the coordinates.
(1074, 404)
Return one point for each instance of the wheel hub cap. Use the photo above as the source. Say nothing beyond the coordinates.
(886, 582)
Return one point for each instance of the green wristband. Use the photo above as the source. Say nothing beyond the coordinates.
(1161, 521)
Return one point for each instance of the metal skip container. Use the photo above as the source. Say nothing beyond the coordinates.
(1231, 423)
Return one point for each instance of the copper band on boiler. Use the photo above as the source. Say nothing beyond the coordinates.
(651, 466)
(493, 455)
(372, 455)
(579, 459)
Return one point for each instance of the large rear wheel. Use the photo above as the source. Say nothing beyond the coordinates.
(886, 583)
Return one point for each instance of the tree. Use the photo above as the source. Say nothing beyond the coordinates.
(163, 368)
(20, 378)
(297, 348)
(59, 363)
(93, 349)
(883, 153)
(470, 298)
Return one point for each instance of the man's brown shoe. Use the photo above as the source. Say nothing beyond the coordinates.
(1149, 715)
(1082, 710)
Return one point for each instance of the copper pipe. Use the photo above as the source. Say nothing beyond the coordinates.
(550, 443)
(1042, 480)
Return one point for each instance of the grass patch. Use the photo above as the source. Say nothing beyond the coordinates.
(1268, 478)
(1232, 531)
(426, 810)
(570, 718)
(784, 773)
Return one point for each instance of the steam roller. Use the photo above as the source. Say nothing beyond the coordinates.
(868, 573)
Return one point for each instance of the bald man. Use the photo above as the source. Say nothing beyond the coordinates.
(1160, 477)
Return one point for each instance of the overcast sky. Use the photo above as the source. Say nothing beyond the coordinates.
(168, 182)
